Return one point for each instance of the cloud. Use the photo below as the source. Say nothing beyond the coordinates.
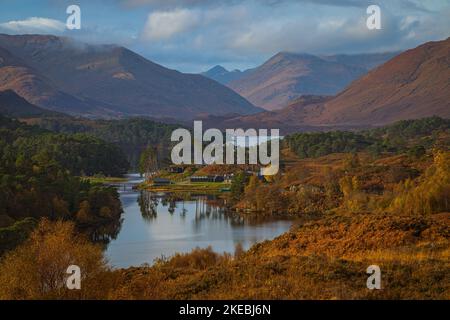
(339, 34)
(33, 25)
(162, 25)
(185, 3)
(197, 3)
(195, 34)
(411, 4)
(245, 34)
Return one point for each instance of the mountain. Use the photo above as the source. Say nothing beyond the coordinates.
(16, 75)
(366, 61)
(287, 76)
(58, 73)
(222, 75)
(13, 105)
(289, 119)
(415, 84)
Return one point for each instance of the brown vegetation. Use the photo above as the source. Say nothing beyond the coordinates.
(354, 210)
(37, 269)
(323, 259)
(324, 256)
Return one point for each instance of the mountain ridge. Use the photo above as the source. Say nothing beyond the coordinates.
(112, 80)
(13, 105)
(287, 75)
(412, 85)
(222, 75)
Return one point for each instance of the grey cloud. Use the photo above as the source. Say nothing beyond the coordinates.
(410, 4)
(255, 39)
(211, 3)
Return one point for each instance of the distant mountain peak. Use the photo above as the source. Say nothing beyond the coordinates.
(412, 85)
(222, 75)
(288, 75)
(217, 69)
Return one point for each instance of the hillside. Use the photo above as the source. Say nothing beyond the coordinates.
(36, 88)
(107, 80)
(13, 105)
(287, 76)
(413, 85)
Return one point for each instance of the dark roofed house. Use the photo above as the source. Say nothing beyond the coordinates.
(219, 179)
(207, 179)
(161, 182)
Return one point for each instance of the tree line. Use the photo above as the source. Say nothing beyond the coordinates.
(413, 136)
(39, 178)
(132, 136)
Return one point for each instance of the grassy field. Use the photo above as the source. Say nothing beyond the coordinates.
(201, 187)
(105, 180)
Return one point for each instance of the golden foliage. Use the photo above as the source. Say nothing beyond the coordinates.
(321, 259)
(432, 192)
(325, 259)
(37, 269)
(354, 199)
(388, 212)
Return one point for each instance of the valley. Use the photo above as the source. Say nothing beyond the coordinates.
(86, 175)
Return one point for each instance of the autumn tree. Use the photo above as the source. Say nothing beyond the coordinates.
(352, 161)
(250, 191)
(431, 194)
(354, 199)
(37, 269)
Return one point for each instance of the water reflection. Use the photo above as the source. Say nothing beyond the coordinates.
(104, 234)
(204, 207)
(159, 224)
(148, 205)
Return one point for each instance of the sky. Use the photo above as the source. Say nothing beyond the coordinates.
(195, 35)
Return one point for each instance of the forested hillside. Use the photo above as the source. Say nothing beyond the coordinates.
(404, 136)
(133, 135)
(38, 172)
